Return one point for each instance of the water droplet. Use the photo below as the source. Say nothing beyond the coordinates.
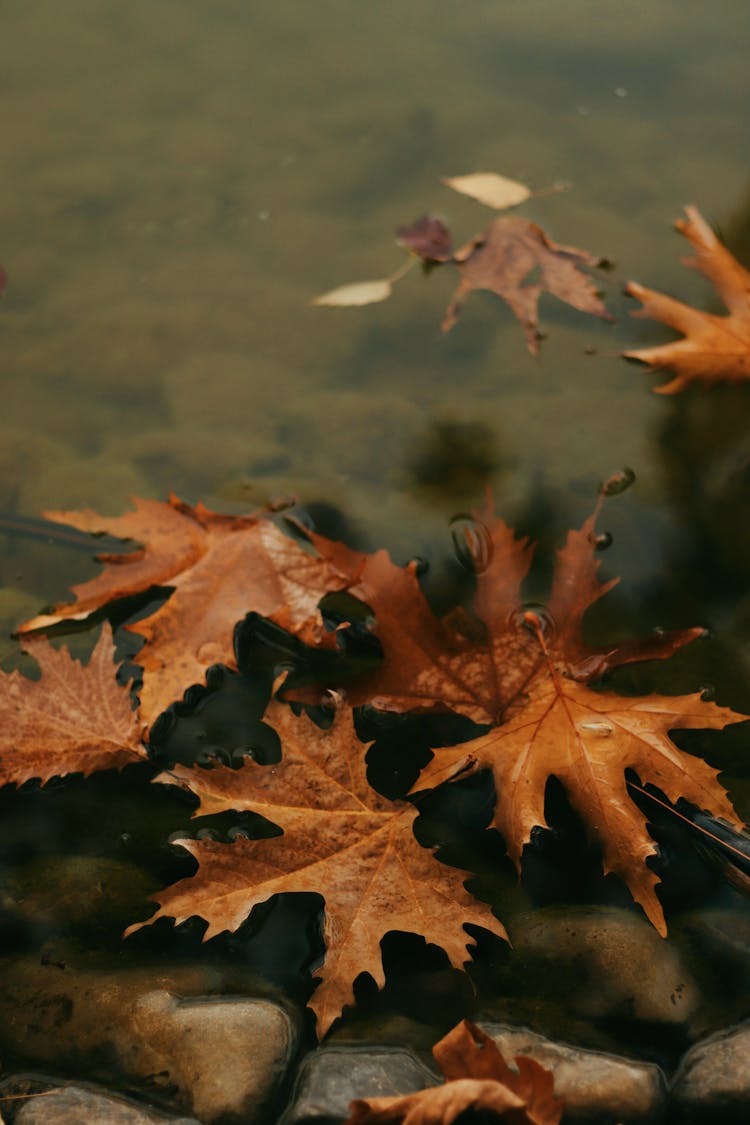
(472, 543)
(708, 693)
(618, 482)
(597, 727)
(206, 834)
(602, 540)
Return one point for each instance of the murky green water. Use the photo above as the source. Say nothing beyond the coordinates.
(180, 178)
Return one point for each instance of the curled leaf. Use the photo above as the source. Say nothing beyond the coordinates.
(476, 1078)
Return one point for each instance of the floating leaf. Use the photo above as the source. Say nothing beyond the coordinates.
(358, 293)
(715, 349)
(428, 238)
(490, 188)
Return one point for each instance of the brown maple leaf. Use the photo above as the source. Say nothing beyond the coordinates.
(503, 258)
(341, 840)
(715, 348)
(528, 677)
(476, 1077)
(75, 719)
(219, 568)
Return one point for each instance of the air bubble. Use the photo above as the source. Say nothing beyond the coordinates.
(618, 482)
(472, 543)
(602, 540)
(708, 693)
(419, 565)
(597, 727)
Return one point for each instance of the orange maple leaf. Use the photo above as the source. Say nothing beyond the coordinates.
(75, 719)
(476, 1077)
(219, 568)
(502, 258)
(528, 678)
(715, 348)
(341, 840)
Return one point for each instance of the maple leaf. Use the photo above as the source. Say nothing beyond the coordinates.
(219, 568)
(528, 677)
(503, 257)
(341, 840)
(715, 348)
(75, 719)
(476, 1077)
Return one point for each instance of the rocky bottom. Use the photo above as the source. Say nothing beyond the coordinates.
(163, 1054)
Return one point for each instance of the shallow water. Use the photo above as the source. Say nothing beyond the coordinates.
(179, 179)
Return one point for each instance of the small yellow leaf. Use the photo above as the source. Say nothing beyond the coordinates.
(358, 293)
(489, 188)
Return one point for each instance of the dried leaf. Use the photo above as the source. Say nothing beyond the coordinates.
(528, 679)
(358, 293)
(219, 568)
(501, 260)
(476, 1077)
(75, 719)
(428, 238)
(341, 840)
(715, 348)
(490, 188)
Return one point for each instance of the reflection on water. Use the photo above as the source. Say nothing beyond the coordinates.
(179, 180)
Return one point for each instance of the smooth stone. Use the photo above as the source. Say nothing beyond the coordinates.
(76, 893)
(607, 963)
(76, 1104)
(332, 1077)
(713, 1080)
(596, 1087)
(165, 1035)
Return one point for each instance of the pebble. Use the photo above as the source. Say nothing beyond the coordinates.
(332, 1077)
(599, 1088)
(76, 1104)
(166, 1035)
(712, 1084)
(608, 964)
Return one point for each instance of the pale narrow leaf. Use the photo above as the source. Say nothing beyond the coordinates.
(358, 293)
(489, 188)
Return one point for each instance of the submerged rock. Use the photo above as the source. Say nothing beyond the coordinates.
(168, 1036)
(608, 964)
(713, 1081)
(332, 1077)
(86, 895)
(75, 1104)
(596, 1087)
